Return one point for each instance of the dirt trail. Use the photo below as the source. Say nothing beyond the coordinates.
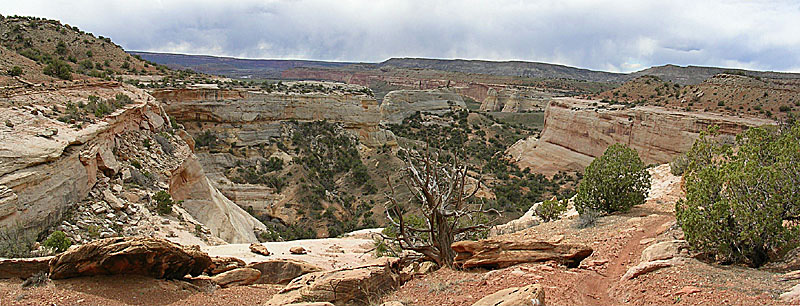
(598, 285)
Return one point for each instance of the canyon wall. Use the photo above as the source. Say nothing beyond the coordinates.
(253, 117)
(576, 131)
(49, 167)
(514, 100)
(399, 104)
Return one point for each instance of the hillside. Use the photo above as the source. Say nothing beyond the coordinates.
(696, 74)
(731, 94)
(46, 50)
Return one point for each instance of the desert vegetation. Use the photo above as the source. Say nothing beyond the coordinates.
(615, 181)
(742, 202)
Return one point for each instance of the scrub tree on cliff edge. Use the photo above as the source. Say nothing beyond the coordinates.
(440, 194)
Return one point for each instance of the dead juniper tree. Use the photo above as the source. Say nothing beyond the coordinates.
(440, 195)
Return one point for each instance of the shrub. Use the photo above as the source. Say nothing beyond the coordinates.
(785, 108)
(616, 181)
(163, 202)
(58, 69)
(742, 199)
(551, 209)
(57, 241)
(588, 218)
(15, 71)
(678, 165)
(16, 242)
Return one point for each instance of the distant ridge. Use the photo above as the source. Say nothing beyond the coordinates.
(231, 66)
(272, 68)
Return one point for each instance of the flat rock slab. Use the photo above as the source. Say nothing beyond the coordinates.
(24, 267)
(499, 253)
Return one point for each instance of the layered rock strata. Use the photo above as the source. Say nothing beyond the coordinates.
(576, 131)
(400, 104)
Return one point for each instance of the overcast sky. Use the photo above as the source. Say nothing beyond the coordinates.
(603, 35)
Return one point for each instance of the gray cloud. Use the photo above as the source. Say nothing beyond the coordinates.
(605, 35)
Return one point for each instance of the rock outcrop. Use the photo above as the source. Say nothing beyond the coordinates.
(528, 295)
(399, 104)
(224, 264)
(514, 100)
(103, 170)
(152, 257)
(501, 253)
(282, 271)
(340, 287)
(41, 176)
(23, 267)
(576, 131)
(236, 277)
(665, 250)
(208, 205)
(252, 118)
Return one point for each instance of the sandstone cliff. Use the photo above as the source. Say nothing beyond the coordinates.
(514, 100)
(57, 160)
(399, 104)
(576, 131)
(208, 205)
(252, 117)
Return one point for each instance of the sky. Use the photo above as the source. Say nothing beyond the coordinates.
(618, 36)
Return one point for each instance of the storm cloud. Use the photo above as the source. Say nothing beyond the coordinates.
(603, 35)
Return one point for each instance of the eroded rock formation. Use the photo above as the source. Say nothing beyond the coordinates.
(514, 100)
(209, 206)
(576, 131)
(399, 104)
(147, 256)
(252, 118)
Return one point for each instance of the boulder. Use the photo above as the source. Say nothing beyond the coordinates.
(665, 250)
(340, 287)
(282, 271)
(501, 253)
(147, 256)
(224, 264)
(650, 266)
(23, 267)
(417, 268)
(791, 296)
(112, 200)
(392, 303)
(298, 250)
(528, 295)
(237, 277)
(310, 304)
(259, 249)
